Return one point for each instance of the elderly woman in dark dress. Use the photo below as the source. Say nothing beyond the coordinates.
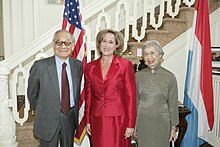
(157, 100)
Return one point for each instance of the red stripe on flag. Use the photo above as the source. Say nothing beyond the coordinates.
(78, 45)
(82, 98)
(203, 34)
(64, 24)
(71, 29)
(84, 59)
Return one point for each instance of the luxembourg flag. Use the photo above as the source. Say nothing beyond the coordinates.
(198, 96)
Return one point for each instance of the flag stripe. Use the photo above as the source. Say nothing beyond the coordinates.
(71, 29)
(64, 24)
(82, 99)
(78, 44)
(76, 34)
(206, 75)
(72, 22)
(198, 85)
(192, 139)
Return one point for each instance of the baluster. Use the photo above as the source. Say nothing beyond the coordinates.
(160, 17)
(189, 3)
(101, 22)
(7, 122)
(118, 19)
(170, 7)
(144, 20)
(14, 92)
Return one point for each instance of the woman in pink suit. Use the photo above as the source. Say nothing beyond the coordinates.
(110, 93)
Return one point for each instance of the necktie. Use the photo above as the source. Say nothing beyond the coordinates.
(65, 93)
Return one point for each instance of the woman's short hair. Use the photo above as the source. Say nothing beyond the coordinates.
(152, 43)
(119, 39)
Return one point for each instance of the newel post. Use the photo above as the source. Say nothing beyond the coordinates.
(7, 122)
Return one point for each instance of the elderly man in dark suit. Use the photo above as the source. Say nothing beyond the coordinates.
(53, 91)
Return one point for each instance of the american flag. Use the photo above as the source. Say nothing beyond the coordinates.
(72, 22)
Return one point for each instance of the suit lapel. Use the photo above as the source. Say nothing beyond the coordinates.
(113, 68)
(53, 74)
(74, 76)
(97, 69)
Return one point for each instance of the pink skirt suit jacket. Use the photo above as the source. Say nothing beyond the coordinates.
(110, 105)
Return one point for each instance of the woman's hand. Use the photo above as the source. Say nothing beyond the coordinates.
(88, 129)
(135, 133)
(173, 135)
(129, 132)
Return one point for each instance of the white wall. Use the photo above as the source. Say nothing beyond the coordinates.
(1, 32)
(175, 60)
(215, 28)
(25, 20)
(47, 16)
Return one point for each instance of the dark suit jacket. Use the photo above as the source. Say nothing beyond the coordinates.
(43, 93)
(113, 96)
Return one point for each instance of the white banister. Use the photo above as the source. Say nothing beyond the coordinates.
(160, 16)
(41, 55)
(189, 3)
(14, 92)
(136, 17)
(95, 7)
(118, 19)
(29, 51)
(7, 122)
(103, 21)
(176, 8)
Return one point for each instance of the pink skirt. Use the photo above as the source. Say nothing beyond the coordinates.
(109, 132)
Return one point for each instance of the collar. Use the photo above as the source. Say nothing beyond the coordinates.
(59, 62)
(153, 70)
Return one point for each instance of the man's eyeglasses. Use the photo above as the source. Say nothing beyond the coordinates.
(59, 43)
